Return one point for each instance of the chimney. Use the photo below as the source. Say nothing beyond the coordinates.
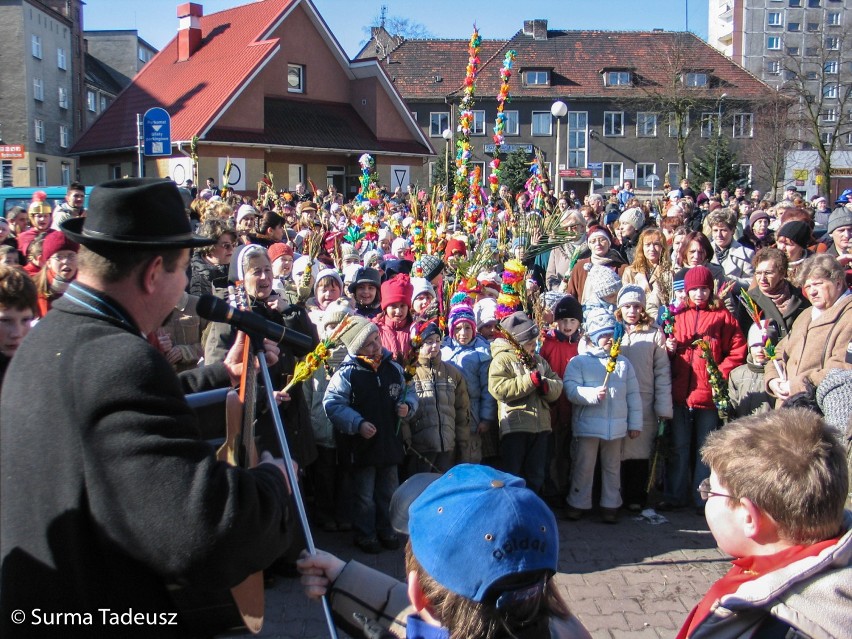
(536, 28)
(189, 29)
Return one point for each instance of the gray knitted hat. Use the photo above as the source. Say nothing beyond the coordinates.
(357, 333)
(841, 216)
(603, 281)
(520, 326)
(834, 397)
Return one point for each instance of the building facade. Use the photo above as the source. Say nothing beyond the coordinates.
(113, 58)
(803, 49)
(619, 89)
(291, 105)
(42, 79)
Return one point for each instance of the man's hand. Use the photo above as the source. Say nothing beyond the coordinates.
(318, 572)
(402, 410)
(633, 434)
(267, 458)
(234, 359)
(483, 426)
(174, 355)
(367, 430)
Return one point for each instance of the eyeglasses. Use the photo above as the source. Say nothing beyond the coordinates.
(706, 493)
(70, 257)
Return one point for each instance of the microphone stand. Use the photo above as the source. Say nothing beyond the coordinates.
(257, 341)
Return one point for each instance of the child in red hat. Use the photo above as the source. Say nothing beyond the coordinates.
(395, 320)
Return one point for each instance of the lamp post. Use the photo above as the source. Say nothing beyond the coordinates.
(718, 139)
(558, 110)
(447, 134)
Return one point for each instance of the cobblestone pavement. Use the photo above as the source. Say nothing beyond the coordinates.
(633, 579)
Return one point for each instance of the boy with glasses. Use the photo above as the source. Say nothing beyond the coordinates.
(775, 502)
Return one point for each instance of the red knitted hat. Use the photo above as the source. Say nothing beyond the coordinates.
(55, 242)
(396, 290)
(454, 244)
(278, 249)
(697, 277)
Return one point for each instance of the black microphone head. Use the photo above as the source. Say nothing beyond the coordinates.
(212, 308)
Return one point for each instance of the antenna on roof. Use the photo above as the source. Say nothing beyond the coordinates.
(383, 15)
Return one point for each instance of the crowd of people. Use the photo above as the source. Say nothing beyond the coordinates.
(564, 341)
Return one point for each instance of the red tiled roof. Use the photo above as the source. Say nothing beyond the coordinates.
(194, 91)
(318, 125)
(575, 59)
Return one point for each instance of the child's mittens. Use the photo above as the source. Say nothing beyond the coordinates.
(539, 382)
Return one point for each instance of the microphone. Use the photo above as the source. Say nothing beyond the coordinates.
(215, 310)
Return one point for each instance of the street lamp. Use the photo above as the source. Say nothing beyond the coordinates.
(718, 140)
(558, 110)
(447, 134)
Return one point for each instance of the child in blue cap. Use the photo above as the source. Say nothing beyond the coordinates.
(482, 552)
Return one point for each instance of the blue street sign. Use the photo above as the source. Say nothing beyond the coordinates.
(595, 165)
(157, 131)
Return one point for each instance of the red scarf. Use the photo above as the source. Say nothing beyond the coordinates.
(747, 569)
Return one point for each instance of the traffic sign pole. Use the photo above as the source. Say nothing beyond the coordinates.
(140, 141)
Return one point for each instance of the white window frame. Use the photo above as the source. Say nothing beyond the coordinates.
(673, 129)
(65, 174)
(613, 125)
(64, 136)
(646, 124)
(615, 178)
(829, 115)
(432, 173)
(102, 103)
(91, 101)
(617, 78)
(773, 43)
(773, 67)
(640, 181)
(36, 46)
(829, 91)
(578, 139)
(38, 89)
(442, 116)
(63, 98)
(41, 173)
(478, 127)
(743, 125)
(672, 169)
(746, 169)
(832, 18)
(6, 173)
(38, 125)
(61, 59)
(832, 43)
(513, 123)
(301, 87)
(541, 116)
(795, 3)
(794, 27)
(773, 19)
(696, 79)
(825, 138)
(536, 78)
(709, 124)
(831, 67)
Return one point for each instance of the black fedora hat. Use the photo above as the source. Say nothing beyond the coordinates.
(135, 212)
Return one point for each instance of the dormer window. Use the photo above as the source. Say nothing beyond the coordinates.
(537, 78)
(695, 79)
(617, 78)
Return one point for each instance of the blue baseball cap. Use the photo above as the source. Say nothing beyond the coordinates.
(474, 527)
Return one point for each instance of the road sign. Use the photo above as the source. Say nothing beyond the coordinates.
(652, 180)
(629, 174)
(157, 131)
(595, 165)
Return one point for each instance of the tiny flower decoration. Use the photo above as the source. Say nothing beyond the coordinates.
(667, 318)
(502, 98)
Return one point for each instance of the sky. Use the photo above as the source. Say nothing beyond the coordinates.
(156, 20)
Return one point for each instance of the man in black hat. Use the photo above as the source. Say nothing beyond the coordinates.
(109, 496)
